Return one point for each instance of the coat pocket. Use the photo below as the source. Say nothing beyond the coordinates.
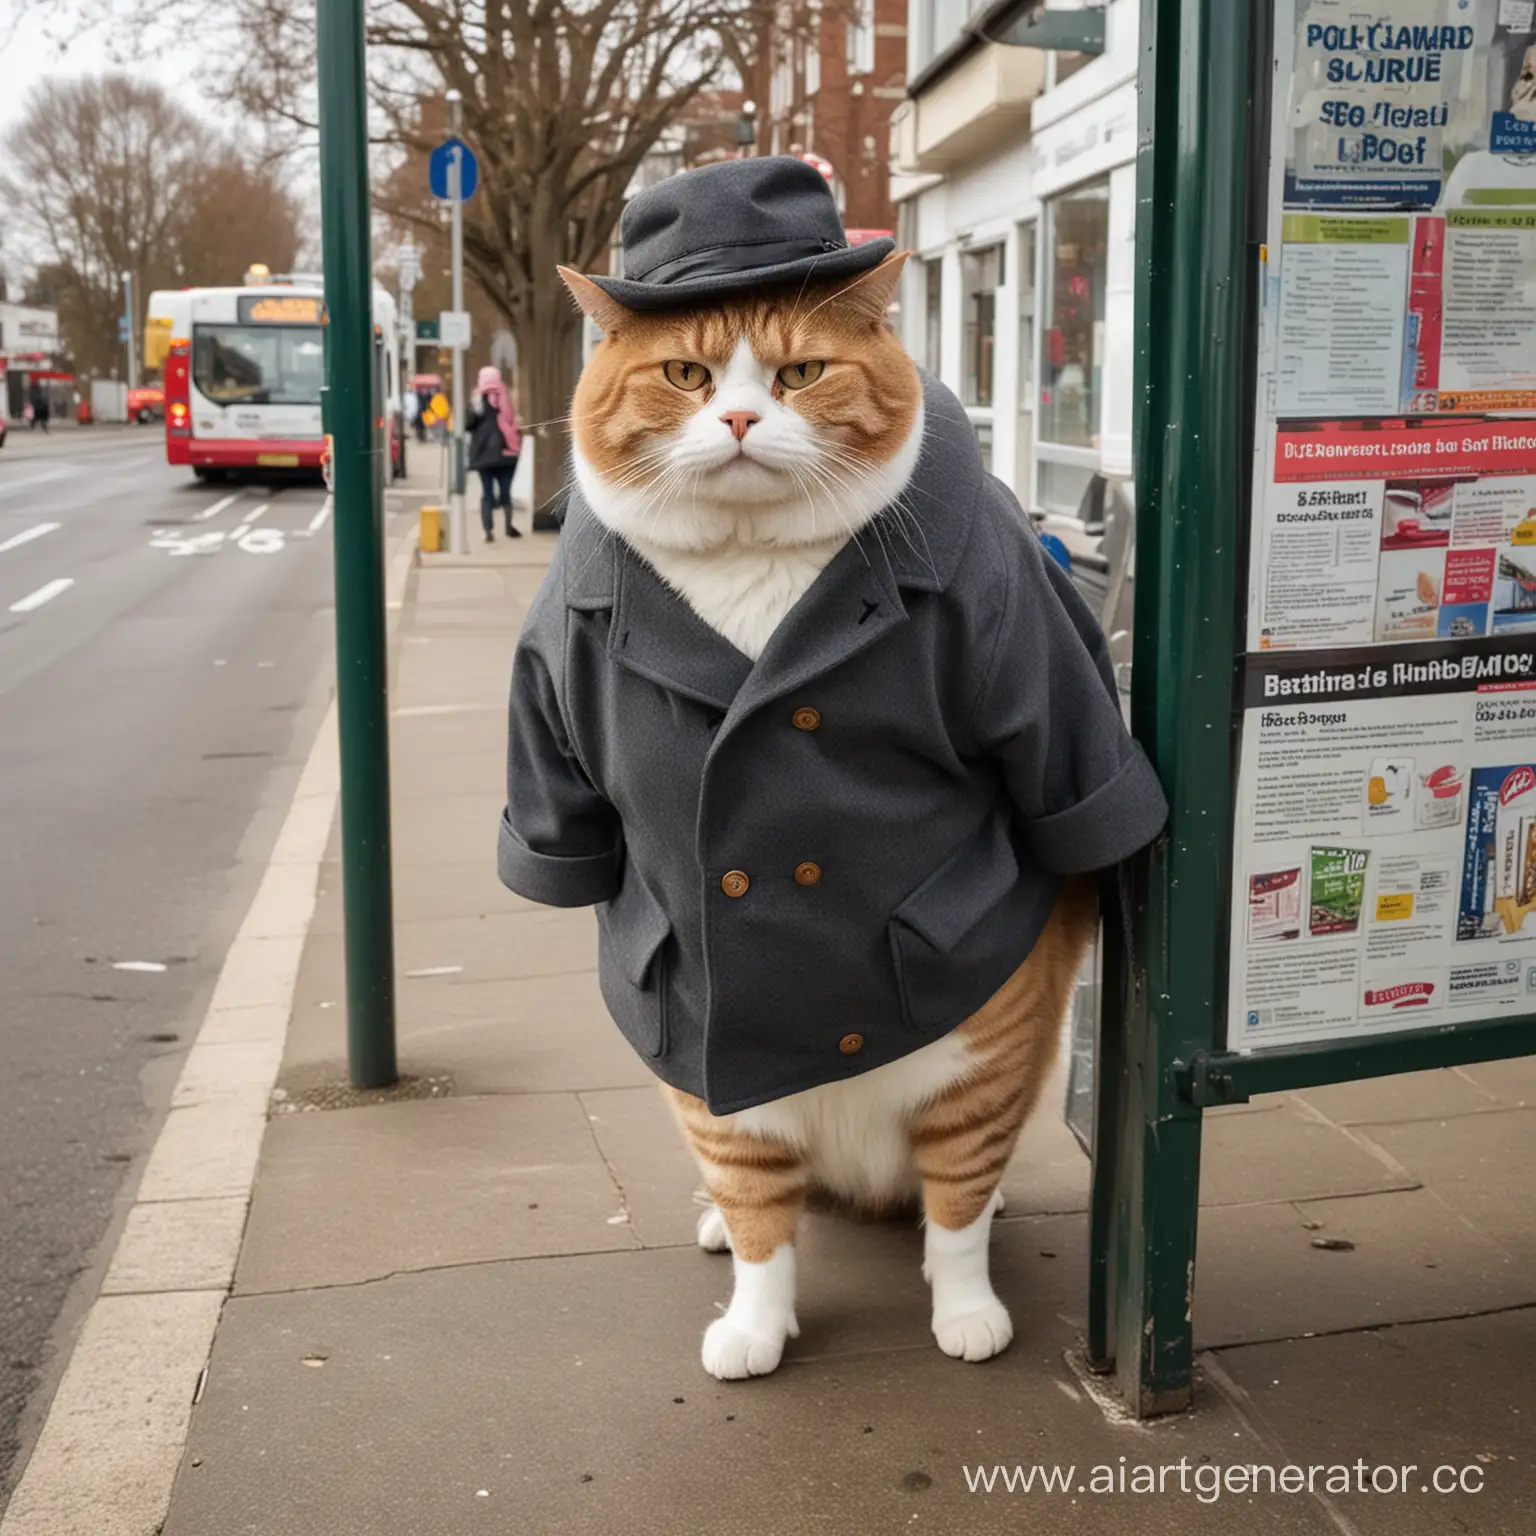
(966, 928)
(632, 963)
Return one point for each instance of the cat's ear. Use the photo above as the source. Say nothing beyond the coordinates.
(871, 294)
(605, 313)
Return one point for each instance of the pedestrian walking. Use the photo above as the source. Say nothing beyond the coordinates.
(494, 445)
(40, 407)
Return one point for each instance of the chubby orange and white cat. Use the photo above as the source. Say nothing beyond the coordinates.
(752, 470)
(738, 447)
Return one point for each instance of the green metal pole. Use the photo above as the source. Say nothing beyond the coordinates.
(362, 682)
(1195, 288)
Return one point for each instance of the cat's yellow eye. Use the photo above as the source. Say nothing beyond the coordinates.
(798, 375)
(688, 376)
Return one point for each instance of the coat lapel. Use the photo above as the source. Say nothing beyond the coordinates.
(853, 603)
(656, 634)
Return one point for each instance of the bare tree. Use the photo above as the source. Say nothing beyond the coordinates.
(562, 101)
(108, 175)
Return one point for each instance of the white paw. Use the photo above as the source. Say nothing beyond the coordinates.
(976, 1335)
(731, 1353)
(713, 1237)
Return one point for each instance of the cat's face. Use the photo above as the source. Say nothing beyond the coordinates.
(779, 419)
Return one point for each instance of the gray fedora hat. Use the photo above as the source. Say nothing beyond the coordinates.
(733, 228)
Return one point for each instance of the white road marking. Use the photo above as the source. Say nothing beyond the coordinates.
(138, 965)
(196, 544)
(317, 522)
(216, 508)
(436, 970)
(261, 541)
(27, 535)
(255, 512)
(43, 595)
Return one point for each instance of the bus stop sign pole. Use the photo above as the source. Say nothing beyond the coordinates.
(361, 662)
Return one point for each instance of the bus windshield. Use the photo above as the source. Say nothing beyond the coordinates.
(259, 364)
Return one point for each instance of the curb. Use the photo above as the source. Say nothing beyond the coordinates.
(106, 1458)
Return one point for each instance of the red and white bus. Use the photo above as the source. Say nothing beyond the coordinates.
(243, 372)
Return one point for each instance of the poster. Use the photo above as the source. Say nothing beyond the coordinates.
(1385, 841)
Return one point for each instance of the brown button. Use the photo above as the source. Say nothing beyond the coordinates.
(734, 883)
(849, 1044)
(807, 719)
(807, 873)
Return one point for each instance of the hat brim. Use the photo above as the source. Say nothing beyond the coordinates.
(720, 285)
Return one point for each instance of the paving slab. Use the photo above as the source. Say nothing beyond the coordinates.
(483, 668)
(1260, 1277)
(1510, 1082)
(447, 829)
(1451, 1394)
(480, 768)
(537, 1035)
(644, 1147)
(1409, 1096)
(532, 1042)
(495, 946)
(565, 1396)
(426, 892)
(1480, 1166)
(1288, 1154)
(460, 588)
(445, 735)
(351, 1195)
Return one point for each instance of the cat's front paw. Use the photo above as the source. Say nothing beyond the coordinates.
(732, 1353)
(975, 1335)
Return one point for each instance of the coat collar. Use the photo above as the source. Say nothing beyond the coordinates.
(855, 600)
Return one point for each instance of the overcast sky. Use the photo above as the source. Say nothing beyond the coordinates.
(36, 43)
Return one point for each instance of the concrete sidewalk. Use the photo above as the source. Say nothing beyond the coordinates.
(474, 1304)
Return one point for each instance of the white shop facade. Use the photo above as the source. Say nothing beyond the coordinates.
(1017, 191)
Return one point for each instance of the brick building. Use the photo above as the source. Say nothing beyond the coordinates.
(827, 87)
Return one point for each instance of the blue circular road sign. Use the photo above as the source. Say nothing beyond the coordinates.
(439, 165)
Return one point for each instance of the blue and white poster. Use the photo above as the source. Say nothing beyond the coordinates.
(1388, 98)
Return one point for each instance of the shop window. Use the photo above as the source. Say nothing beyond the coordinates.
(1060, 488)
(933, 314)
(981, 275)
(941, 22)
(1071, 354)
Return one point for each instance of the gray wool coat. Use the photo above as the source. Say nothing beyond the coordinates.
(809, 866)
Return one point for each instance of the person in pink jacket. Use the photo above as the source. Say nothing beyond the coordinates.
(494, 445)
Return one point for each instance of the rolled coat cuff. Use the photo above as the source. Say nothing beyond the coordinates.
(556, 880)
(1111, 824)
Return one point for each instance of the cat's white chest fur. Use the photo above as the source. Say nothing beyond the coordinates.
(743, 593)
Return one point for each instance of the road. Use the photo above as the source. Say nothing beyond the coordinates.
(164, 660)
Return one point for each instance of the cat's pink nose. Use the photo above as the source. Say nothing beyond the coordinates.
(739, 421)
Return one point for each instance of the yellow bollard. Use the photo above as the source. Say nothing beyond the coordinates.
(431, 530)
